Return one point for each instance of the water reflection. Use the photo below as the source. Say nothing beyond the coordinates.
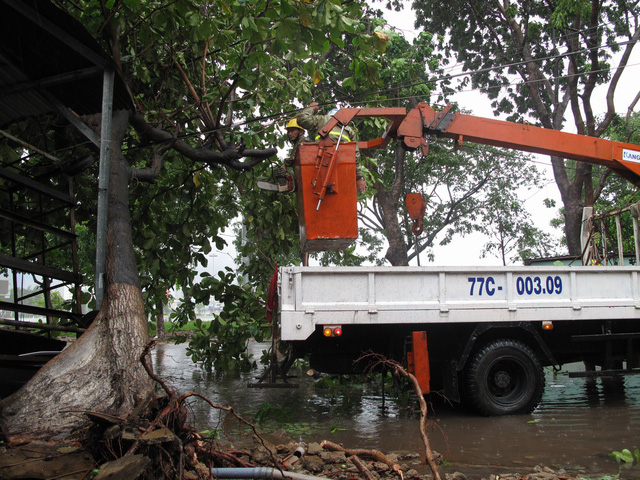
(578, 423)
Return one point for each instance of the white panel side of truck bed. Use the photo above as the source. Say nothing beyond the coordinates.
(311, 296)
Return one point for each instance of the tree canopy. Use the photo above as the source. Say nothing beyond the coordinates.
(548, 62)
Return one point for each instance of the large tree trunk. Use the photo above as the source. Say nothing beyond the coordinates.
(571, 194)
(396, 254)
(388, 199)
(100, 371)
(573, 208)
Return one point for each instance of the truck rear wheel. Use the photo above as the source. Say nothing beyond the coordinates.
(504, 378)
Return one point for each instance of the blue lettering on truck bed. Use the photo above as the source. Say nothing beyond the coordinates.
(630, 155)
(550, 285)
(486, 285)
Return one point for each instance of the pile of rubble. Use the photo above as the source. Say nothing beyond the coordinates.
(162, 456)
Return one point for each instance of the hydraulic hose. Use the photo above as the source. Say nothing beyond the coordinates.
(260, 472)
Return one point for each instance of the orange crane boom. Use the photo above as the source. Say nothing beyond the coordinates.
(413, 128)
(622, 158)
(326, 173)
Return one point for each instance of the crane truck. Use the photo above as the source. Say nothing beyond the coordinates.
(479, 335)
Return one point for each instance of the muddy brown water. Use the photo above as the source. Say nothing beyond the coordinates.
(576, 426)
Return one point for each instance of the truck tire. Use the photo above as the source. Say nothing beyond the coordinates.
(504, 377)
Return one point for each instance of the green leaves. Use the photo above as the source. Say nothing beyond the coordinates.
(305, 14)
(194, 68)
(567, 11)
(625, 456)
(380, 41)
(506, 48)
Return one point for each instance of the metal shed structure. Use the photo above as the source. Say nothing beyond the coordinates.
(49, 66)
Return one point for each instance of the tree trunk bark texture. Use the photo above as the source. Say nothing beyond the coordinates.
(573, 225)
(98, 372)
(101, 370)
(388, 198)
(571, 194)
(396, 254)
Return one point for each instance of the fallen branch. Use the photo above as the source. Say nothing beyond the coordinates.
(399, 370)
(143, 359)
(377, 455)
(224, 456)
(229, 409)
(175, 406)
(366, 473)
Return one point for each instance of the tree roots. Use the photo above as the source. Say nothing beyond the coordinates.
(156, 442)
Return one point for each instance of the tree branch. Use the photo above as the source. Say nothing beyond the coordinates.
(157, 162)
(534, 76)
(224, 98)
(400, 371)
(205, 113)
(592, 41)
(230, 156)
(611, 111)
(602, 182)
(632, 105)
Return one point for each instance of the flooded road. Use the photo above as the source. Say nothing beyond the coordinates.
(577, 424)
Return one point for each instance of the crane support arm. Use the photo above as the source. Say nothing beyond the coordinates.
(345, 115)
(622, 158)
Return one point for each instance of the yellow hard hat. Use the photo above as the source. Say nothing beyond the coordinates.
(293, 123)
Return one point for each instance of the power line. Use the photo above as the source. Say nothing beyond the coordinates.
(551, 38)
(499, 67)
(559, 77)
(425, 82)
(289, 113)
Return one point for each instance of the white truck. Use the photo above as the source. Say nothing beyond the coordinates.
(476, 334)
(489, 331)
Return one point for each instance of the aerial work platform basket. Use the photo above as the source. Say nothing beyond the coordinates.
(327, 196)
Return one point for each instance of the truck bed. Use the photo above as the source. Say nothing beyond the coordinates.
(312, 296)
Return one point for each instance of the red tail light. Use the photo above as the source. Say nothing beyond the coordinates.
(332, 331)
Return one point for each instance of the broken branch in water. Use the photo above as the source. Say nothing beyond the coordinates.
(397, 369)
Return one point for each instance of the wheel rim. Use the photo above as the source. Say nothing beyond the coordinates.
(506, 381)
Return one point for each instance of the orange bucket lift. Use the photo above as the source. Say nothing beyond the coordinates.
(325, 174)
(325, 171)
(327, 197)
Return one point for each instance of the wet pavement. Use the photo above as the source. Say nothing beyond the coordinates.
(577, 424)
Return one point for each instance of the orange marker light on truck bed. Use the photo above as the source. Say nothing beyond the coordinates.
(418, 360)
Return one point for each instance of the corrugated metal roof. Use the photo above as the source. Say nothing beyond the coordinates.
(47, 55)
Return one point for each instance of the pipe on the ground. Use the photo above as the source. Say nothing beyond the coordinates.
(260, 472)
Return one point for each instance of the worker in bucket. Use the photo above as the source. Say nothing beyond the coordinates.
(310, 119)
(284, 181)
(296, 135)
